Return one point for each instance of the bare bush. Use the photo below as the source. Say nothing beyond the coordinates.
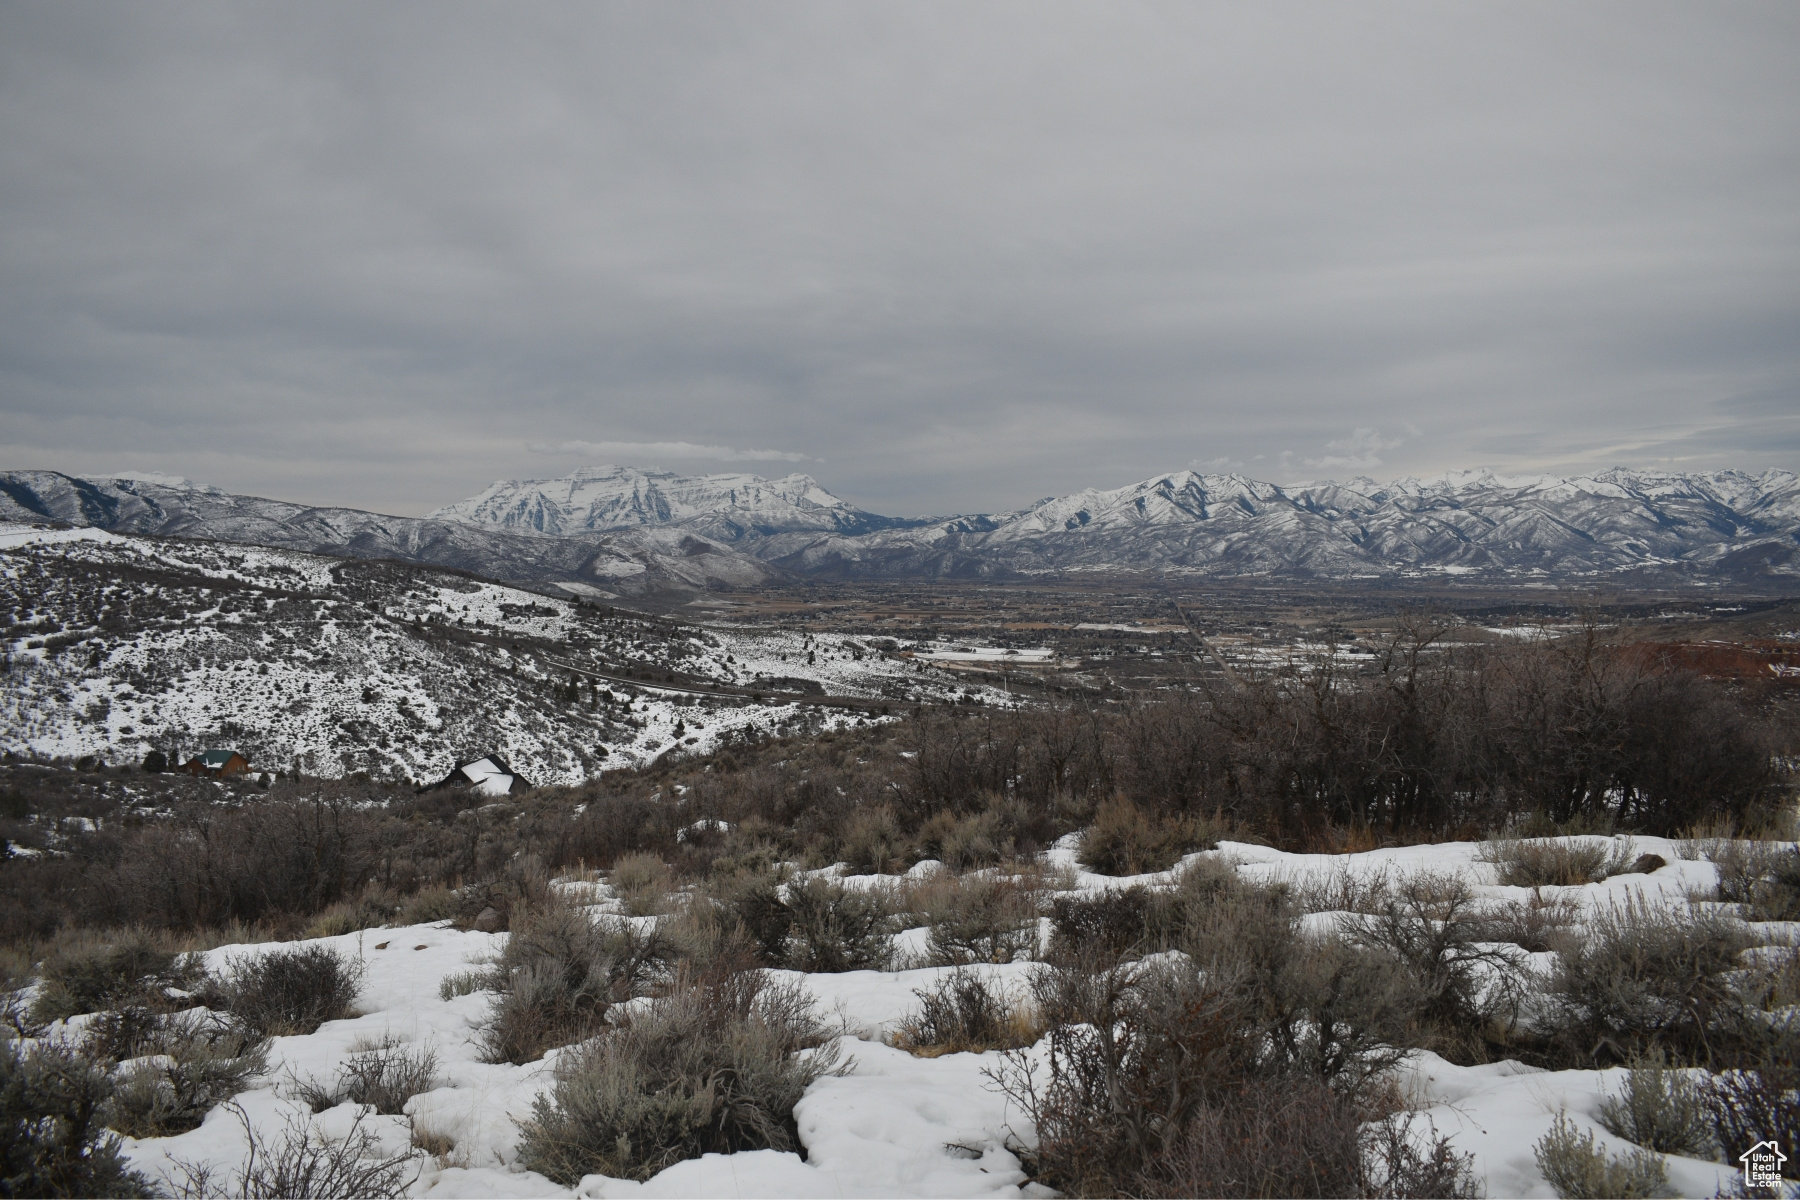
(1535, 924)
(52, 1141)
(1116, 922)
(839, 929)
(708, 1068)
(1660, 1108)
(967, 1013)
(1557, 862)
(94, 974)
(467, 983)
(1324, 1005)
(306, 1165)
(709, 939)
(753, 900)
(1749, 1106)
(1763, 877)
(291, 991)
(558, 974)
(1579, 1169)
(384, 1075)
(201, 1060)
(1125, 840)
(1641, 978)
(1133, 1051)
(1293, 1136)
(1464, 984)
(642, 882)
(979, 920)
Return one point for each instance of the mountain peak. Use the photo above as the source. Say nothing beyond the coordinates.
(591, 499)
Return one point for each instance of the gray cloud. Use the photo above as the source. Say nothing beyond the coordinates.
(637, 452)
(965, 255)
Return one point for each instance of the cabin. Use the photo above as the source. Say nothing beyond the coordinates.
(217, 764)
(488, 775)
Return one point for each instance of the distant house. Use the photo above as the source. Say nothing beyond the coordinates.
(217, 764)
(488, 775)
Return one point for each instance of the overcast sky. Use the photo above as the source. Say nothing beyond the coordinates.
(943, 257)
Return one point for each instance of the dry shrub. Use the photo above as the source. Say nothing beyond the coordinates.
(370, 910)
(87, 974)
(305, 1163)
(519, 886)
(1536, 924)
(969, 841)
(202, 1060)
(1640, 978)
(1660, 1108)
(707, 1068)
(1340, 891)
(839, 929)
(52, 1142)
(1750, 1106)
(1556, 862)
(558, 974)
(1324, 1005)
(1116, 922)
(467, 983)
(385, 1074)
(1466, 988)
(1124, 840)
(438, 902)
(875, 844)
(1579, 1169)
(1291, 1136)
(1162, 1079)
(753, 900)
(1762, 877)
(291, 991)
(709, 939)
(1140, 920)
(974, 919)
(642, 882)
(966, 1012)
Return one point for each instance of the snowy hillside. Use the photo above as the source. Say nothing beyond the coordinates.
(892, 1124)
(115, 645)
(623, 562)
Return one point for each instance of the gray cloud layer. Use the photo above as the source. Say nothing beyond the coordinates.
(964, 255)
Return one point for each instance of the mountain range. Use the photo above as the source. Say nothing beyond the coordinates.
(626, 531)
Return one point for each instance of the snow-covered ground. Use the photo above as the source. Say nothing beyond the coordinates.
(117, 645)
(892, 1125)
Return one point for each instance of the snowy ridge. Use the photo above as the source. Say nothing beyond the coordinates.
(619, 562)
(117, 644)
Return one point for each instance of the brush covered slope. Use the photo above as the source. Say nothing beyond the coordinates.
(877, 1119)
(116, 645)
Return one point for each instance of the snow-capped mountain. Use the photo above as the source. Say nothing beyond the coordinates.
(729, 507)
(1723, 523)
(630, 532)
(624, 561)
